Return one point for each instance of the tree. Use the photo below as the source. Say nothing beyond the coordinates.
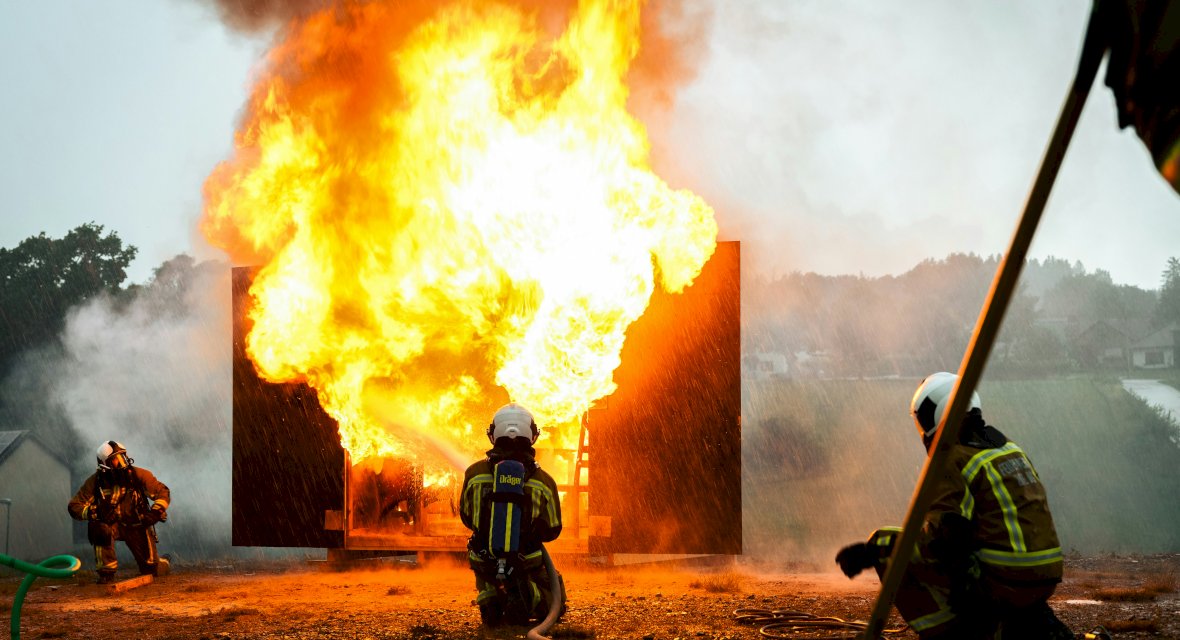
(43, 277)
(1167, 310)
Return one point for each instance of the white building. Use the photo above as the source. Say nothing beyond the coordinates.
(1157, 350)
(34, 490)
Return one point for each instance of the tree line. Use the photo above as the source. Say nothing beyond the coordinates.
(1060, 319)
(41, 280)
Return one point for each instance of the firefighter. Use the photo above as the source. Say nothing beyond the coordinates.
(114, 502)
(987, 558)
(511, 506)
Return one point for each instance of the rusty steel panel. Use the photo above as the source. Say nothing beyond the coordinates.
(665, 448)
(288, 464)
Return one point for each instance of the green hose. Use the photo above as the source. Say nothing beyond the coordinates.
(55, 567)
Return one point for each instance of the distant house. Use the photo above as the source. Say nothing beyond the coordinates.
(1156, 350)
(37, 483)
(1102, 345)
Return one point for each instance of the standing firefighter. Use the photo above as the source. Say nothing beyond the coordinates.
(987, 558)
(512, 507)
(114, 503)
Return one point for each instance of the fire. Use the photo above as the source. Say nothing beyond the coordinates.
(451, 207)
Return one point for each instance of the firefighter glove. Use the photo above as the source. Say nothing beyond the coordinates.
(108, 516)
(856, 558)
(158, 513)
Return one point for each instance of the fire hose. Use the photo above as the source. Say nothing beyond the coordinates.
(557, 588)
(785, 623)
(62, 566)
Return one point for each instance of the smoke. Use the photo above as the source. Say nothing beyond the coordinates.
(151, 369)
(258, 15)
(892, 132)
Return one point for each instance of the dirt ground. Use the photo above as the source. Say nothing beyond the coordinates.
(1133, 596)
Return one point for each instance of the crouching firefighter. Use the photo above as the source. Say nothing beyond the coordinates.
(114, 502)
(987, 558)
(511, 506)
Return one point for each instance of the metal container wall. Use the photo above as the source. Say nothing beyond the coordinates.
(665, 448)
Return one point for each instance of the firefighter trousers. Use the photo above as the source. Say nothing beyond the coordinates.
(938, 608)
(140, 540)
(539, 591)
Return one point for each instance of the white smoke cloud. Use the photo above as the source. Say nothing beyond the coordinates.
(858, 137)
(154, 373)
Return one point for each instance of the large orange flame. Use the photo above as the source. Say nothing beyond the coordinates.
(449, 202)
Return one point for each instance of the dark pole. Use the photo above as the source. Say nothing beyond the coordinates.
(988, 325)
(7, 502)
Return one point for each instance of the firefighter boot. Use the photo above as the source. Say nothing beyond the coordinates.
(106, 577)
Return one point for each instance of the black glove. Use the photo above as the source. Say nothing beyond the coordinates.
(108, 516)
(856, 558)
(157, 514)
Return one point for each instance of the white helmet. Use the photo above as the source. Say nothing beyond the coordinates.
(513, 421)
(112, 455)
(930, 401)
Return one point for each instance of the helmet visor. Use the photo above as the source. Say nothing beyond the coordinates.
(118, 460)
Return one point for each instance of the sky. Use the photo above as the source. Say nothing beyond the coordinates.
(833, 136)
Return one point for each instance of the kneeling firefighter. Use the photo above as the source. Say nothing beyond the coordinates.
(511, 506)
(114, 503)
(987, 558)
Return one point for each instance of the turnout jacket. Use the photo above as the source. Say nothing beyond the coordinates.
(122, 500)
(542, 521)
(990, 504)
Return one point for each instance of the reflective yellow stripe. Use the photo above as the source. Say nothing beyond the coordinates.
(508, 528)
(925, 623)
(550, 503)
(967, 506)
(1008, 507)
(475, 487)
(1022, 559)
(971, 469)
(885, 535)
(162, 503)
(535, 554)
(535, 500)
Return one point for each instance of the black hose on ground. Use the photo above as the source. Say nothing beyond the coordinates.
(557, 589)
(785, 623)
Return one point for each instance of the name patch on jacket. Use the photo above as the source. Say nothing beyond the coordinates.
(1018, 469)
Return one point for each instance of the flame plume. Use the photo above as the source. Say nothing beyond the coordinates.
(451, 207)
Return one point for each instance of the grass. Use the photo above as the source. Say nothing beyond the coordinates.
(728, 582)
(1126, 626)
(1152, 587)
(1125, 594)
(1161, 583)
